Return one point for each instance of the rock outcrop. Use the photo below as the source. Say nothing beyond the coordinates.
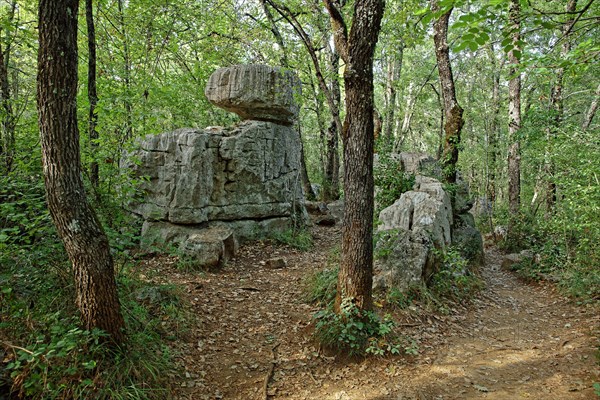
(416, 229)
(256, 92)
(206, 190)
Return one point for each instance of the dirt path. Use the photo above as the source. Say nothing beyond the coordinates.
(516, 341)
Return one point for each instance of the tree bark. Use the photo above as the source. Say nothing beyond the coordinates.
(126, 74)
(514, 116)
(356, 268)
(76, 223)
(557, 104)
(452, 110)
(394, 69)
(589, 116)
(92, 92)
(494, 131)
(308, 191)
(7, 115)
(331, 169)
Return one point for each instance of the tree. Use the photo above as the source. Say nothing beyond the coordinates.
(356, 49)
(331, 92)
(452, 110)
(309, 193)
(76, 223)
(8, 124)
(591, 112)
(514, 113)
(556, 99)
(92, 92)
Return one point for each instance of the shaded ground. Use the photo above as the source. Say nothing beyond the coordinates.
(516, 341)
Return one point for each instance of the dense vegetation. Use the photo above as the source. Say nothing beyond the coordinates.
(153, 60)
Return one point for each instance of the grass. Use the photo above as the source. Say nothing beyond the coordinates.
(47, 354)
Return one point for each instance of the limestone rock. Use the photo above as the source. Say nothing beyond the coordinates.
(336, 210)
(419, 211)
(417, 163)
(404, 259)
(195, 176)
(210, 248)
(256, 92)
(511, 259)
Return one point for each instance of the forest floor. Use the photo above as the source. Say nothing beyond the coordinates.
(514, 341)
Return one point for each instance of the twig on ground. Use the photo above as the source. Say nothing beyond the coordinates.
(270, 373)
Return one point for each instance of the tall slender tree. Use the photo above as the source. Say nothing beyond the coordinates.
(556, 99)
(92, 92)
(514, 113)
(7, 113)
(76, 223)
(356, 49)
(452, 110)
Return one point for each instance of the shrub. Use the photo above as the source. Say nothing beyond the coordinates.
(359, 332)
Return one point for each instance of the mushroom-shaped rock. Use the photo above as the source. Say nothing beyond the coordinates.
(257, 92)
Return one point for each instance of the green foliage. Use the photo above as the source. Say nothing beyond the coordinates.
(50, 357)
(390, 181)
(321, 286)
(454, 280)
(359, 332)
(300, 239)
(24, 218)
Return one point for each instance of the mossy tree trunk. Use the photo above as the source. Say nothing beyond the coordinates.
(452, 110)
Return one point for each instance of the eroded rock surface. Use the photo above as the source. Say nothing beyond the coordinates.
(257, 92)
(415, 230)
(207, 189)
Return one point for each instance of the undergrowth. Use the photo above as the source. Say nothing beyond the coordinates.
(300, 239)
(359, 332)
(48, 355)
(45, 354)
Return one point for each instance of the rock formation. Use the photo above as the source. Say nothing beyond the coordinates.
(206, 190)
(419, 222)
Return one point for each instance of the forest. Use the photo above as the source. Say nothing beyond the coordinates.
(499, 97)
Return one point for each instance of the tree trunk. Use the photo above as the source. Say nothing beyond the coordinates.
(356, 268)
(394, 69)
(331, 189)
(7, 116)
(514, 116)
(452, 110)
(589, 116)
(76, 223)
(308, 191)
(127, 74)
(7, 132)
(494, 131)
(331, 169)
(92, 93)
(557, 104)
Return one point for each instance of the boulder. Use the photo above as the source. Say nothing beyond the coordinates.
(336, 210)
(256, 92)
(205, 190)
(511, 259)
(276, 263)
(418, 163)
(404, 259)
(419, 211)
(195, 176)
(421, 223)
(210, 248)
